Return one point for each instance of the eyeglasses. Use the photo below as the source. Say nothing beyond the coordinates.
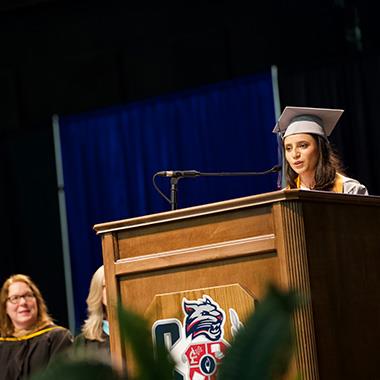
(17, 299)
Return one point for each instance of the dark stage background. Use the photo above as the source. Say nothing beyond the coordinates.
(66, 57)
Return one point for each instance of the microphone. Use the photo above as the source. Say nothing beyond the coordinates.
(195, 173)
(176, 175)
(179, 173)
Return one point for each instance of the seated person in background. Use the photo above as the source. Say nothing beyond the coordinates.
(310, 162)
(28, 336)
(95, 331)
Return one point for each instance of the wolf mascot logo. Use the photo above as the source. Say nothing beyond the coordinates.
(197, 345)
(203, 318)
(203, 325)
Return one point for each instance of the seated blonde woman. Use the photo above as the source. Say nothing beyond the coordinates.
(28, 337)
(95, 330)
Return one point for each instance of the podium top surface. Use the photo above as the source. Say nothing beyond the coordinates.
(239, 203)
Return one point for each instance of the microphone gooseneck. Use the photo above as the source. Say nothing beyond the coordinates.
(176, 175)
(196, 173)
(274, 169)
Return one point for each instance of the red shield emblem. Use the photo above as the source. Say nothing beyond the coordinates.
(204, 358)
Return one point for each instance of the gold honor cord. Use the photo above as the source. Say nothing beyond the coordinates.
(29, 336)
(338, 184)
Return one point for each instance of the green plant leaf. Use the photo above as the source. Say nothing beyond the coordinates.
(262, 350)
(153, 363)
(65, 367)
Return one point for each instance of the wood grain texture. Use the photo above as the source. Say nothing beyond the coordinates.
(323, 244)
(293, 243)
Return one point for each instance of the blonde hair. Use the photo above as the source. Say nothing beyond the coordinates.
(6, 325)
(96, 310)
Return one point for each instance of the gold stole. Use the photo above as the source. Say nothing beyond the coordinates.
(338, 184)
(29, 336)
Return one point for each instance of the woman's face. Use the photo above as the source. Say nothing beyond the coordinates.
(301, 152)
(23, 310)
(104, 294)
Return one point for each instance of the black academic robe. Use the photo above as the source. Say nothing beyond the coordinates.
(83, 343)
(21, 357)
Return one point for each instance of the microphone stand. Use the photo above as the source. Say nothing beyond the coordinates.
(175, 176)
(174, 192)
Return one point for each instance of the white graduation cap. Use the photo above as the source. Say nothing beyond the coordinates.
(319, 121)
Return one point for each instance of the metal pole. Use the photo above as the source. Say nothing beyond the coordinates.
(64, 229)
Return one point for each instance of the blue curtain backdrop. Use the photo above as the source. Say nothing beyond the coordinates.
(109, 157)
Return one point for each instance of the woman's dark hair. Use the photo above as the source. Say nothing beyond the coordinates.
(328, 165)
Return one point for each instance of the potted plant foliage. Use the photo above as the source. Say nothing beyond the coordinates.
(261, 350)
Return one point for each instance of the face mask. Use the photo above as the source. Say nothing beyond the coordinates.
(106, 327)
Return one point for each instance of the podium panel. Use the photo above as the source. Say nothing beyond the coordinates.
(218, 259)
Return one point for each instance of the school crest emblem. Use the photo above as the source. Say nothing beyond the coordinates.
(197, 342)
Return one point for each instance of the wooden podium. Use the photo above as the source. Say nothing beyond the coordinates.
(324, 244)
